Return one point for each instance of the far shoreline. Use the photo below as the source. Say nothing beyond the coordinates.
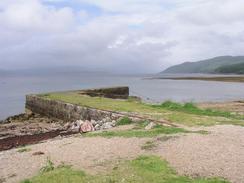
(239, 79)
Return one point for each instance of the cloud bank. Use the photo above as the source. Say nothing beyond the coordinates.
(139, 36)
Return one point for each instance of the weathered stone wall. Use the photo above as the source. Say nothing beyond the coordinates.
(66, 111)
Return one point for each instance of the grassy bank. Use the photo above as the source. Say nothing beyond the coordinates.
(187, 114)
(143, 169)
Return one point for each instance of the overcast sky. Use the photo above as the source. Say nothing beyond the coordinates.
(119, 35)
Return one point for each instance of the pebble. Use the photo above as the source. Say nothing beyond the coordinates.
(80, 125)
(150, 126)
(86, 127)
(38, 153)
(107, 125)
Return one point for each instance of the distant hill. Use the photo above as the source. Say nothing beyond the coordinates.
(223, 65)
(234, 68)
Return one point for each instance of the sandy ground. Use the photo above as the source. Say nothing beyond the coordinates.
(220, 153)
(89, 154)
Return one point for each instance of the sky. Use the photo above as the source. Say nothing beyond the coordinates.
(124, 36)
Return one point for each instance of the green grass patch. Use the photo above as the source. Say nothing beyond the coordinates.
(149, 145)
(153, 169)
(143, 169)
(158, 130)
(59, 175)
(23, 149)
(192, 109)
(166, 138)
(48, 167)
(124, 121)
(141, 124)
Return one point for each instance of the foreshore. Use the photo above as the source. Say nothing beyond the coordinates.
(207, 78)
(35, 127)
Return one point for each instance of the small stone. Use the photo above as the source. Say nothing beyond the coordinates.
(93, 122)
(79, 122)
(67, 125)
(74, 126)
(100, 122)
(38, 153)
(86, 127)
(113, 124)
(114, 116)
(107, 125)
(150, 126)
(107, 119)
(97, 127)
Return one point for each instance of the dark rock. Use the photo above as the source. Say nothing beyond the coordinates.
(38, 153)
(115, 93)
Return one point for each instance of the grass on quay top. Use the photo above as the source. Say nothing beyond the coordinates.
(187, 114)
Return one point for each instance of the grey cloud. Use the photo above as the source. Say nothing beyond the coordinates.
(40, 35)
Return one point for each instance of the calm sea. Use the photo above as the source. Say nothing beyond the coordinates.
(14, 88)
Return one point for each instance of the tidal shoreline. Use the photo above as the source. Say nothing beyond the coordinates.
(207, 78)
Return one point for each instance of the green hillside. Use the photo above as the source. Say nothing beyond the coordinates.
(230, 69)
(211, 66)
